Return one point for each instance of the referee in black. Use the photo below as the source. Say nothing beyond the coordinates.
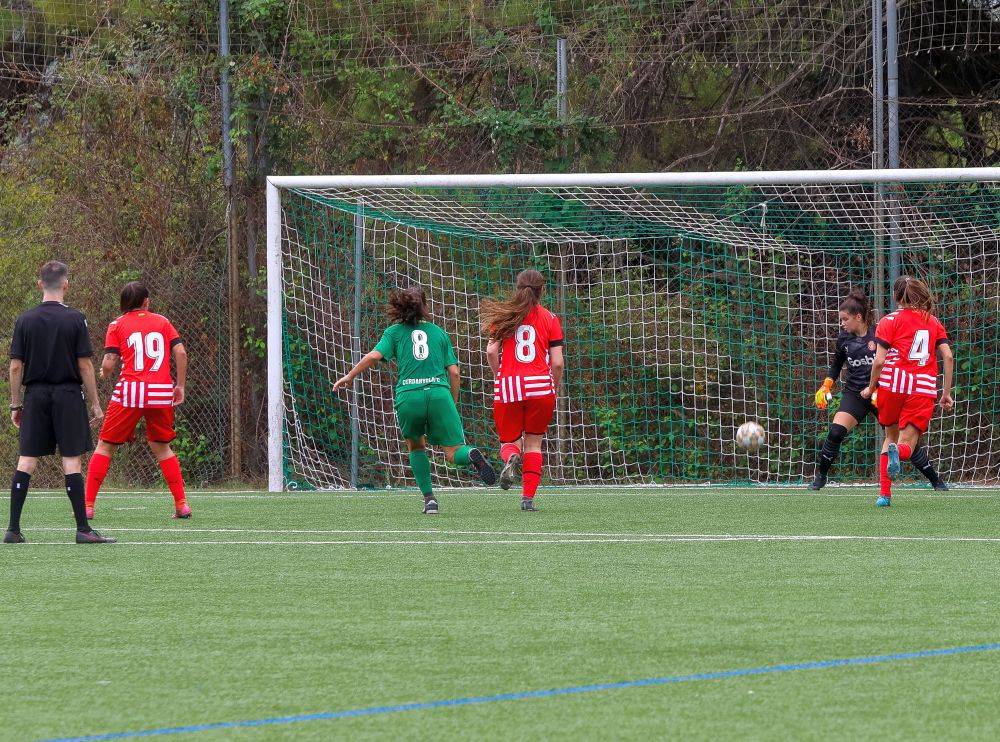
(51, 357)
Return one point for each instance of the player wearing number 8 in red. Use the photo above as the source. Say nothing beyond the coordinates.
(144, 342)
(526, 355)
(905, 372)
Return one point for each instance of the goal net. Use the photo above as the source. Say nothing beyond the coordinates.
(691, 303)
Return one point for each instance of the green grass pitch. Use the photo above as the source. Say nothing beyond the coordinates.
(263, 606)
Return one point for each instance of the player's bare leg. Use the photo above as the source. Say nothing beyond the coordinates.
(97, 470)
(531, 471)
(510, 454)
(171, 469)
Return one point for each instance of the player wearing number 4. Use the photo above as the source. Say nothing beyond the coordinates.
(905, 374)
(856, 350)
(526, 355)
(143, 341)
(427, 389)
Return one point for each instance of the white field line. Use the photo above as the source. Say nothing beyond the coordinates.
(321, 496)
(533, 538)
(563, 535)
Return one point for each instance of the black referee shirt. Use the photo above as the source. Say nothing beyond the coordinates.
(49, 339)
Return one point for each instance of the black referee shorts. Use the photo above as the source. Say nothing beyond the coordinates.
(54, 415)
(856, 406)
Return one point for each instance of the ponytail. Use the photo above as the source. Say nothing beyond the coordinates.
(913, 293)
(500, 319)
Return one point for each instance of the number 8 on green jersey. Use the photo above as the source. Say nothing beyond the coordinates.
(423, 401)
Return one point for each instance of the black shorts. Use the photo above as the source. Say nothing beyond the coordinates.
(54, 415)
(856, 406)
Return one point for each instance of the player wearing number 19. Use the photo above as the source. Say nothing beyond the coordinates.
(427, 390)
(142, 340)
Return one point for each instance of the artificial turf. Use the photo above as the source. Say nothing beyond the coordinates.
(230, 616)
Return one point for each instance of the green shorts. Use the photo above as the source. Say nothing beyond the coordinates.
(430, 411)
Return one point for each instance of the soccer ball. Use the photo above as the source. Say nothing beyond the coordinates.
(750, 436)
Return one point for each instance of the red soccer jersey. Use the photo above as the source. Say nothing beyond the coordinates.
(524, 358)
(911, 339)
(144, 341)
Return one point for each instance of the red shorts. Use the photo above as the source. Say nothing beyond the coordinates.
(514, 419)
(905, 409)
(119, 424)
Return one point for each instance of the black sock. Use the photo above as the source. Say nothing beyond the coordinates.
(831, 447)
(18, 494)
(74, 488)
(922, 461)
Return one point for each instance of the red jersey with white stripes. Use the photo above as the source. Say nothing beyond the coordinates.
(524, 358)
(911, 338)
(143, 340)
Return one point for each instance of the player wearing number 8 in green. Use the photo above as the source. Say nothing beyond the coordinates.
(427, 388)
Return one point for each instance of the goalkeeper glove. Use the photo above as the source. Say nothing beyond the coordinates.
(874, 399)
(823, 395)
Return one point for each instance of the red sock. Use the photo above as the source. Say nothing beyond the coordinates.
(904, 452)
(171, 469)
(97, 469)
(507, 450)
(531, 473)
(884, 483)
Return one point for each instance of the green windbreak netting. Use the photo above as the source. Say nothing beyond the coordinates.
(687, 311)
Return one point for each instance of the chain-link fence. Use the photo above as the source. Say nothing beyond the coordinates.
(110, 118)
(194, 302)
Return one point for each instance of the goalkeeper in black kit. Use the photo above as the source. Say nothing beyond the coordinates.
(856, 350)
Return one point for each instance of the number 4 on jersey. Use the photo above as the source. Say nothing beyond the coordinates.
(920, 349)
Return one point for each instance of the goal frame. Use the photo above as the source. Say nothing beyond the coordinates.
(275, 185)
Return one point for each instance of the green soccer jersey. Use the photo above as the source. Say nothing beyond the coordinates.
(422, 353)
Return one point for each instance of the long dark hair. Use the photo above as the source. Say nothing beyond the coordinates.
(408, 306)
(913, 293)
(501, 319)
(857, 302)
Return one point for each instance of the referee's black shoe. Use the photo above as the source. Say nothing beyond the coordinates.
(93, 537)
(13, 537)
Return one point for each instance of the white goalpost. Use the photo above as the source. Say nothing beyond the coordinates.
(692, 302)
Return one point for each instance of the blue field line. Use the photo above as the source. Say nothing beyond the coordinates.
(548, 693)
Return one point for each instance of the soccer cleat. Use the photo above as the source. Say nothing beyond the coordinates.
(510, 471)
(431, 507)
(941, 486)
(483, 468)
(93, 537)
(13, 537)
(182, 513)
(528, 505)
(894, 468)
(818, 482)
(883, 502)
(90, 513)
